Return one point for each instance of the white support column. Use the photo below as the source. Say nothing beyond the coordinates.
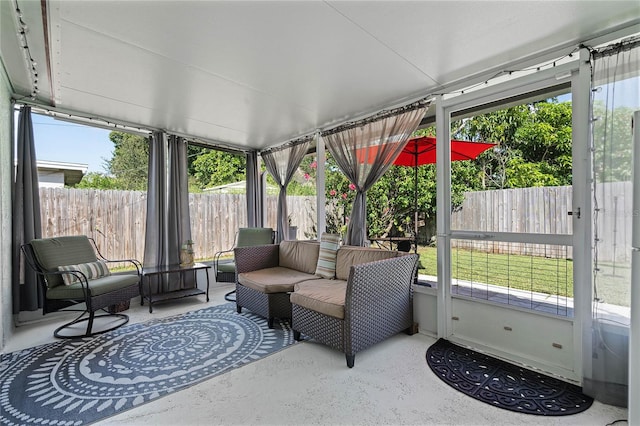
(634, 328)
(321, 198)
(263, 196)
(582, 221)
(443, 208)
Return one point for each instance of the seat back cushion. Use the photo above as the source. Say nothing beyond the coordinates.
(354, 255)
(248, 237)
(68, 250)
(299, 255)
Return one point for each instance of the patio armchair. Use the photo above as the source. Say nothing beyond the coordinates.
(225, 269)
(365, 304)
(245, 237)
(71, 271)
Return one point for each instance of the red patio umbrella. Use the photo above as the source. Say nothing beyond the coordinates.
(422, 150)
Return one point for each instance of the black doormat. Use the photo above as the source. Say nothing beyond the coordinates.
(504, 385)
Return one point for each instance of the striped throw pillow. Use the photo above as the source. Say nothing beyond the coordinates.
(326, 267)
(90, 270)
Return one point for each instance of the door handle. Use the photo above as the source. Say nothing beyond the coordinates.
(577, 214)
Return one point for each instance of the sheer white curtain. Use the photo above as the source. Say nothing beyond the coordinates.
(615, 95)
(282, 163)
(365, 150)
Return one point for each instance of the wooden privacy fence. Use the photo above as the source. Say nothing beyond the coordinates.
(116, 219)
(539, 210)
(545, 210)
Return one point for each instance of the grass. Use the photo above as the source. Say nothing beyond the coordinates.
(613, 284)
(530, 273)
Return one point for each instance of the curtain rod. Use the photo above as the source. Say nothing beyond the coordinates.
(422, 103)
(290, 144)
(615, 48)
(73, 117)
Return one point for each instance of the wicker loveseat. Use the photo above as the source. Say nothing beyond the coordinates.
(369, 300)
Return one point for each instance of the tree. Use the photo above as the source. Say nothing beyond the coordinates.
(534, 145)
(612, 159)
(130, 162)
(97, 181)
(498, 127)
(303, 181)
(543, 142)
(214, 168)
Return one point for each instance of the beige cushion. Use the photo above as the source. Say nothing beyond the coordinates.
(353, 255)
(273, 280)
(299, 255)
(323, 295)
(327, 256)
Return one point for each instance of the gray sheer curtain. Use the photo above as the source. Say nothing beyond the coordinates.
(615, 96)
(365, 150)
(168, 221)
(178, 218)
(26, 217)
(282, 163)
(254, 199)
(155, 250)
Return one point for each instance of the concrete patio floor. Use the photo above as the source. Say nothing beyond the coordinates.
(308, 383)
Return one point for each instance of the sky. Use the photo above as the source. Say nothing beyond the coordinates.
(58, 140)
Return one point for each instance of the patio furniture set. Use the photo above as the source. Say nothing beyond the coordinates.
(348, 300)
(346, 297)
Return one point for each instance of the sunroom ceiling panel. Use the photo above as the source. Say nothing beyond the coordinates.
(271, 75)
(452, 40)
(169, 95)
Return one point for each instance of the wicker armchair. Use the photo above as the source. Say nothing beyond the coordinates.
(245, 237)
(378, 304)
(268, 305)
(74, 253)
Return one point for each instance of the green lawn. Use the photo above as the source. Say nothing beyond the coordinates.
(539, 274)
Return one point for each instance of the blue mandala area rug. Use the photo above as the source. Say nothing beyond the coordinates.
(502, 384)
(74, 382)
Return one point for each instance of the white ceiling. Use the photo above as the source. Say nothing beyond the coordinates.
(255, 74)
